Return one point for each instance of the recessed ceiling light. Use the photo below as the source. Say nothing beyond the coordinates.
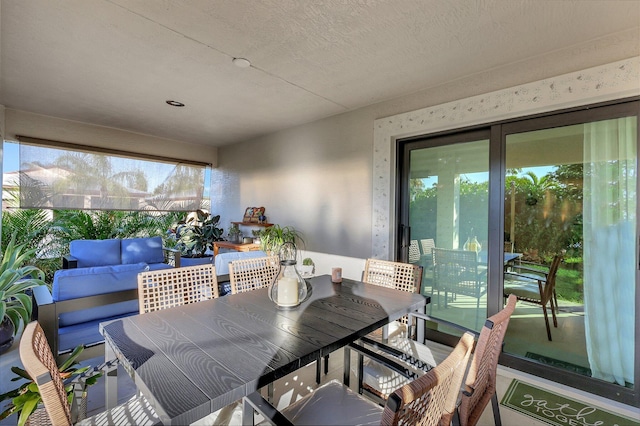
(175, 103)
(241, 62)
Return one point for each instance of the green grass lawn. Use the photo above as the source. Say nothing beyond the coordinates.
(569, 285)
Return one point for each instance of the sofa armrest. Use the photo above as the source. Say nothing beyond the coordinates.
(47, 312)
(44, 310)
(69, 262)
(172, 256)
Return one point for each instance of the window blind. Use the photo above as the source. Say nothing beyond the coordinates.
(60, 175)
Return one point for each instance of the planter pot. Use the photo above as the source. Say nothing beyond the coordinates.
(306, 270)
(6, 334)
(194, 261)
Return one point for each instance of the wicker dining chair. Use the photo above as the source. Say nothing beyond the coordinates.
(428, 400)
(398, 275)
(251, 274)
(38, 361)
(414, 252)
(480, 383)
(165, 288)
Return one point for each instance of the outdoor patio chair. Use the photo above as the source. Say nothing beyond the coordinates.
(39, 363)
(377, 380)
(427, 245)
(177, 286)
(414, 252)
(254, 273)
(535, 283)
(458, 272)
(428, 400)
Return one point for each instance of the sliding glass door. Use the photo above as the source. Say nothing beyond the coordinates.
(519, 194)
(572, 190)
(447, 213)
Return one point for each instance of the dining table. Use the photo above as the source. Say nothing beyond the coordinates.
(192, 360)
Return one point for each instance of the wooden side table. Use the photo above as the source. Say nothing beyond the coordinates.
(234, 246)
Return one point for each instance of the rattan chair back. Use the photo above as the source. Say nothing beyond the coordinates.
(39, 363)
(398, 275)
(165, 288)
(254, 273)
(481, 379)
(431, 399)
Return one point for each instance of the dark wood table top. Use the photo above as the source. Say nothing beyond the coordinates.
(192, 360)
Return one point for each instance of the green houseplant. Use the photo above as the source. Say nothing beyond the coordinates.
(16, 276)
(234, 233)
(272, 237)
(26, 397)
(197, 233)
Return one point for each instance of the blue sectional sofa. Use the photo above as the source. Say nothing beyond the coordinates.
(98, 282)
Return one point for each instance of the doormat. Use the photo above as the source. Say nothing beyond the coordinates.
(557, 410)
(559, 364)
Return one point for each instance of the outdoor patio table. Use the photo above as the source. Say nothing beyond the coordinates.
(192, 360)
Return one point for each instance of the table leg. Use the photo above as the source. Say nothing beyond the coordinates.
(385, 333)
(346, 373)
(247, 413)
(216, 249)
(111, 379)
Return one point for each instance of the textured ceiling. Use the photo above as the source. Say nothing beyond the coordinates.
(114, 63)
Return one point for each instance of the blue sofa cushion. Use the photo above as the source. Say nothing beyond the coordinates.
(87, 333)
(98, 313)
(82, 282)
(137, 250)
(95, 252)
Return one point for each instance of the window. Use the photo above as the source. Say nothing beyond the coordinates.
(56, 175)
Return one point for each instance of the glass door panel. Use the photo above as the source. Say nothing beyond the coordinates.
(572, 190)
(448, 206)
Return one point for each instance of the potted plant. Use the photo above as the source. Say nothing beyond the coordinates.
(272, 237)
(26, 398)
(307, 267)
(15, 278)
(234, 233)
(256, 235)
(195, 236)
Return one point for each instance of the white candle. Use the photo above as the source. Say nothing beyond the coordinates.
(287, 291)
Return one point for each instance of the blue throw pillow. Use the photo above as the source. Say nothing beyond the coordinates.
(95, 252)
(137, 250)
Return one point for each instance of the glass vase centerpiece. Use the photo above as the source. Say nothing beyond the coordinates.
(288, 288)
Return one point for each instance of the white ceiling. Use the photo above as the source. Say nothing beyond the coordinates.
(115, 62)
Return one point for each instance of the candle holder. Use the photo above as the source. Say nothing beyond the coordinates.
(288, 288)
